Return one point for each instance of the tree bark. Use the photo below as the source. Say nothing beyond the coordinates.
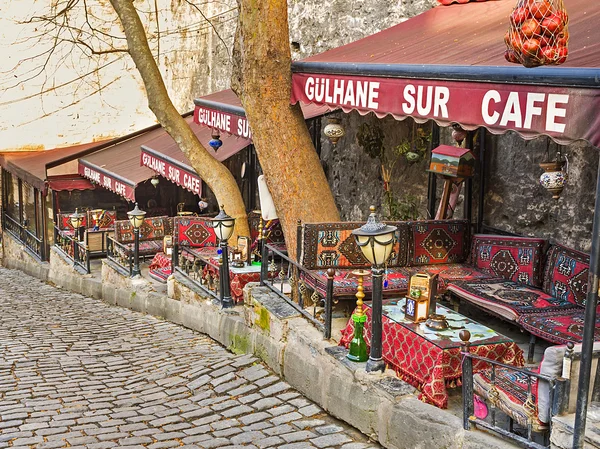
(218, 178)
(286, 153)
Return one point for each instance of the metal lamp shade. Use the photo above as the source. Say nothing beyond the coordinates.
(223, 225)
(375, 239)
(76, 219)
(136, 216)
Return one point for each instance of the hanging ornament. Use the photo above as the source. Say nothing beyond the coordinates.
(154, 181)
(334, 130)
(216, 142)
(554, 178)
(458, 134)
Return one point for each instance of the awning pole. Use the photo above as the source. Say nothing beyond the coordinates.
(432, 186)
(585, 369)
(480, 205)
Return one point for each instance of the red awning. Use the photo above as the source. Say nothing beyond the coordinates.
(164, 156)
(69, 183)
(223, 110)
(448, 65)
(31, 166)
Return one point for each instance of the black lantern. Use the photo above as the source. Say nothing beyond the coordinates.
(223, 225)
(376, 241)
(76, 219)
(136, 217)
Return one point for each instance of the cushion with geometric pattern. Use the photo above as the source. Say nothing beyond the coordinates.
(566, 274)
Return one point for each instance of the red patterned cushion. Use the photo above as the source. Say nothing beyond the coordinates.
(194, 232)
(448, 273)
(559, 327)
(64, 221)
(326, 245)
(509, 299)
(272, 228)
(105, 221)
(152, 228)
(345, 283)
(566, 274)
(517, 259)
(438, 241)
(512, 387)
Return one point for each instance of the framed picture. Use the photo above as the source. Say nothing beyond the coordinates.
(243, 245)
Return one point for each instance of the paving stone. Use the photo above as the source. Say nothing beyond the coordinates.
(91, 376)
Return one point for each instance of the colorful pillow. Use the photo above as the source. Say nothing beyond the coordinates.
(517, 259)
(64, 221)
(272, 228)
(194, 232)
(566, 274)
(105, 221)
(438, 241)
(152, 228)
(326, 245)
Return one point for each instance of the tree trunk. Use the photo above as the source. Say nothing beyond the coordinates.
(263, 82)
(218, 178)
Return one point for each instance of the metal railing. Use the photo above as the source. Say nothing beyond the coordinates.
(121, 255)
(558, 402)
(33, 243)
(74, 250)
(287, 279)
(204, 274)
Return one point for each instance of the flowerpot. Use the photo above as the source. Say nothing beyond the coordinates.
(554, 178)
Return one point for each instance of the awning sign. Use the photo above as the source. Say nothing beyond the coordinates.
(565, 114)
(174, 171)
(223, 121)
(107, 180)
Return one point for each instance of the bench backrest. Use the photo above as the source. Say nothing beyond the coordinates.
(153, 228)
(194, 232)
(64, 221)
(518, 259)
(566, 274)
(437, 241)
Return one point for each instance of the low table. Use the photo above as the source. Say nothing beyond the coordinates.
(430, 360)
(238, 277)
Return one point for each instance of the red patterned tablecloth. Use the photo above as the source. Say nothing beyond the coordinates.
(428, 366)
(238, 279)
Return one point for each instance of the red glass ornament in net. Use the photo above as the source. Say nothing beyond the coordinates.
(449, 2)
(538, 33)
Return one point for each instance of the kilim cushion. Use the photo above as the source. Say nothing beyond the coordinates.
(560, 327)
(152, 228)
(517, 259)
(64, 221)
(194, 232)
(566, 274)
(106, 220)
(438, 241)
(512, 388)
(326, 245)
(448, 273)
(345, 283)
(272, 228)
(509, 299)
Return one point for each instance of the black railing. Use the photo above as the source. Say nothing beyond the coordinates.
(72, 249)
(34, 244)
(200, 271)
(121, 255)
(287, 279)
(558, 400)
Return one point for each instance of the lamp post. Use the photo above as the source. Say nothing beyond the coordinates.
(136, 217)
(223, 225)
(376, 240)
(76, 220)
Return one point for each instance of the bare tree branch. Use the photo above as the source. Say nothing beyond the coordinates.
(212, 26)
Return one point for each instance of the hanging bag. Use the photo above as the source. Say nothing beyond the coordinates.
(538, 33)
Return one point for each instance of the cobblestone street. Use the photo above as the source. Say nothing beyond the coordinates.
(75, 372)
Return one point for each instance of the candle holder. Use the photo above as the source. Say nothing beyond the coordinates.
(358, 346)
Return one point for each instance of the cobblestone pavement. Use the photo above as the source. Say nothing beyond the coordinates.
(75, 372)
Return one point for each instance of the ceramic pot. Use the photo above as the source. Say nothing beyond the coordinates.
(334, 130)
(437, 322)
(554, 178)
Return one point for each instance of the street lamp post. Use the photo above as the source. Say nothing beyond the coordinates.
(376, 240)
(136, 217)
(76, 220)
(223, 225)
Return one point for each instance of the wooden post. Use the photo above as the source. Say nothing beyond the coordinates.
(467, 381)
